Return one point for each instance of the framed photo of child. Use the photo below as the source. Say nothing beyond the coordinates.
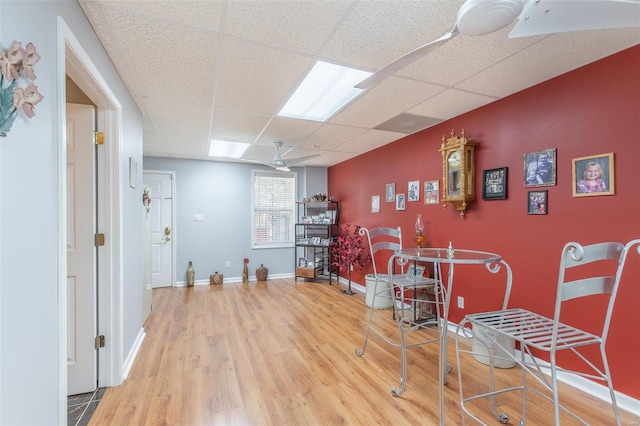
(593, 175)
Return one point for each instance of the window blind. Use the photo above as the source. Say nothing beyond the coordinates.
(273, 208)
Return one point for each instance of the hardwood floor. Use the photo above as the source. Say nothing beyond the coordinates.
(283, 353)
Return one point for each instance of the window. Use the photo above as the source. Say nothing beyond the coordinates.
(273, 214)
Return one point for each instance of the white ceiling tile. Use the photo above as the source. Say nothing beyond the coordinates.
(290, 131)
(330, 158)
(179, 119)
(193, 13)
(369, 140)
(450, 103)
(279, 24)
(395, 94)
(244, 58)
(329, 136)
(237, 126)
(164, 60)
(377, 32)
(552, 56)
(257, 79)
(459, 58)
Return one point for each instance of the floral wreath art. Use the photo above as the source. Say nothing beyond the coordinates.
(17, 67)
(146, 198)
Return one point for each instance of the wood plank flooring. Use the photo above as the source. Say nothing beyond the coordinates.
(282, 352)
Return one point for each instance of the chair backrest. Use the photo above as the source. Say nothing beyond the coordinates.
(382, 239)
(608, 259)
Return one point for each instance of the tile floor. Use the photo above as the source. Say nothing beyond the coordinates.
(81, 407)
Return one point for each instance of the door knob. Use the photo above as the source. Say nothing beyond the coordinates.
(167, 231)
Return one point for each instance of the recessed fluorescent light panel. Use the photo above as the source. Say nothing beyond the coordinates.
(324, 91)
(218, 148)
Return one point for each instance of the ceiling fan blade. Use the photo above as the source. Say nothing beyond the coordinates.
(405, 60)
(278, 166)
(555, 16)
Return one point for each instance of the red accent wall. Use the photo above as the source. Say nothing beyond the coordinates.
(589, 111)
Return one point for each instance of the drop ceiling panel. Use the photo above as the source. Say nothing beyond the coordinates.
(369, 140)
(375, 33)
(330, 158)
(257, 79)
(280, 24)
(458, 59)
(237, 126)
(287, 130)
(244, 59)
(450, 103)
(203, 15)
(179, 119)
(154, 56)
(552, 56)
(329, 136)
(260, 153)
(396, 94)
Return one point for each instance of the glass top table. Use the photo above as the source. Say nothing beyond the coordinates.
(439, 256)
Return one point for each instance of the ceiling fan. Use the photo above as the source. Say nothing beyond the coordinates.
(279, 164)
(535, 17)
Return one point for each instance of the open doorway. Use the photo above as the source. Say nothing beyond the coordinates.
(83, 72)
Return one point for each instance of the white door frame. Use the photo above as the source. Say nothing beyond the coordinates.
(173, 219)
(74, 61)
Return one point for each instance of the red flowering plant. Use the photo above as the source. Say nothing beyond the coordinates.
(348, 252)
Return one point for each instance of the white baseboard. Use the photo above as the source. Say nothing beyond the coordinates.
(128, 362)
(234, 279)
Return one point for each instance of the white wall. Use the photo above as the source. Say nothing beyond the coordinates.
(29, 365)
(221, 192)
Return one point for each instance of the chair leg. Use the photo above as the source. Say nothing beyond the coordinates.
(403, 361)
(607, 373)
(360, 352)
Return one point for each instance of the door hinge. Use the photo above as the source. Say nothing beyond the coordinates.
(98, 240)
(98, 138)
(99, 343)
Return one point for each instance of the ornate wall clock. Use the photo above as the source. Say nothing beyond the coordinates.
(458, 171)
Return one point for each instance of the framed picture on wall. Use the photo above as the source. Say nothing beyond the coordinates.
(400, 202)
(593, 175)
(432, 192)
(413, 189)
(494, 184)
(537, 202)
(375, 204)
(390, 193)
(540, 168)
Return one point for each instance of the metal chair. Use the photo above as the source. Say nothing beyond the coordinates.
(400, 291)
(535, 332)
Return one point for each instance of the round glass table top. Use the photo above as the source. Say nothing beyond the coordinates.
(440, 255)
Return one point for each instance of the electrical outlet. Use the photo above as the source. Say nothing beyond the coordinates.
(460, 302)
(228, 264)
(198, 217)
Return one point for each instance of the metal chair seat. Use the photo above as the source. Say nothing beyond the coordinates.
(602, 264)
(533, 329)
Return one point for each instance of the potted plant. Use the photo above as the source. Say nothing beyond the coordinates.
(348, 252)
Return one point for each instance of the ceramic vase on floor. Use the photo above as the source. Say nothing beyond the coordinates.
(245, 271)
(191, 275)
(216, 278)
(261, 273)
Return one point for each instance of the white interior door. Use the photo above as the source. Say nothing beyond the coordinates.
(81, 251)
(162, 235)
